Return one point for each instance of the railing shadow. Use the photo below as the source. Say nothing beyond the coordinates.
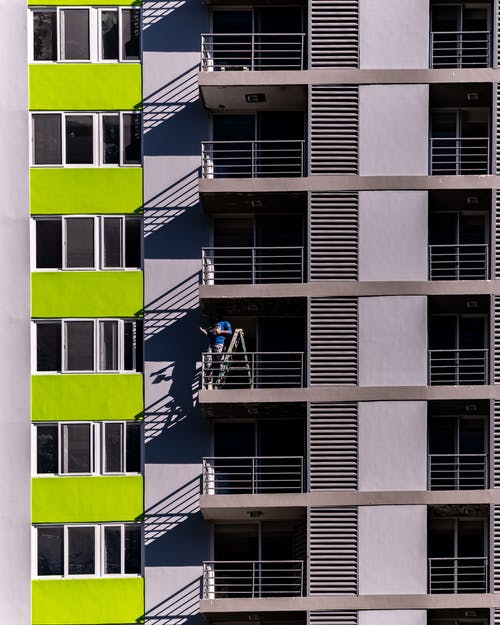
(181, 608)
(186, 20)
(169, 100)
(169, 215)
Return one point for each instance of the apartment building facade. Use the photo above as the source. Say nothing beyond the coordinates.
(324, 177)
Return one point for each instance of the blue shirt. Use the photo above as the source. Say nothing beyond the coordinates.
(218, 339)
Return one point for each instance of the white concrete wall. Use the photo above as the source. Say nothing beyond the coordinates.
(392, 341)
(393, 235)
(392, 445)
(392, 550)
(392, 617)
(175, 122)
(393, 34)
(15, 513)
(393, 130)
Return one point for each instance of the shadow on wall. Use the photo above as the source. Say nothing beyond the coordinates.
(178, 101)
(169, 215)
(173, 25)
(175, 533)
(173, 423)
(181, 608)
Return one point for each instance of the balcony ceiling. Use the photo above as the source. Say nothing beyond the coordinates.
(234, 98)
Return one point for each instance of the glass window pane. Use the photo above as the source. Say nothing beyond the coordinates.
(111, 139)
(131, 138)
(128, 345)
(113, 448)
(139, 341)
(131, 30)
(112, 550)
(80, 242)
(109, 35)
(79, 345)
(75, 35)
(77, 448)
(81, 550)
(133, 243)
(133, 448)
(49, 243)
(79, 139)
(108, 345)
(46, 448)
(50, 550)
(44, 36)
(112, 241)
(48, 346)
(133, 549)
(47, 139)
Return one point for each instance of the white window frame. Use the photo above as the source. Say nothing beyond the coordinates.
(99, 550)
(98, 241)
(98, 449)
(95, 34)
(97, 139)
(96, 345)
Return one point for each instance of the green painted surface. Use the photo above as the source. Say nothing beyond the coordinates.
(87, 499)
(92, 396)
(95, 3)
(85, 87)
(60, 190)
(87, 293)
(87, 601)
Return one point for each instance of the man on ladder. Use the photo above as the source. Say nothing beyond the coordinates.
(217, 332)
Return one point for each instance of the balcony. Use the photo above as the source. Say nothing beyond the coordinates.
(460, 49)
(457, 471)
(252, 265)
(459, 156)
(253, 475)
(252, 370)
(252, 159)
(459, 262)
(252, 51)
(458, 575)
(456, 367)
(253, 579)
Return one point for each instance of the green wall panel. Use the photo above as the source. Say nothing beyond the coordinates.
(87, 601)
(87, 499)
(93, 396)
(85, 87)
(67, 190)
(87, 293)
(94, 3)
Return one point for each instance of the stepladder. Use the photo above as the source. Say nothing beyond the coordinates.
(234, 365)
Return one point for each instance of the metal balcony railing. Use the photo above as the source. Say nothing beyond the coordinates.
(252, 370)
(250, 579)
(252, 51)
(252, 475)
(459, 262)
(252, 265)
(459, 156)
(456, 367)
(460, 49)
(252, 159)
(457, 471)
(458, 575)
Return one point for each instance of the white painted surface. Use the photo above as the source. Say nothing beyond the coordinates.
(392, 445)
(392, 550)
(392, 617)
(394, 34)
(393, 235)
(15, 529)
(392, 341)
(393, 130)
